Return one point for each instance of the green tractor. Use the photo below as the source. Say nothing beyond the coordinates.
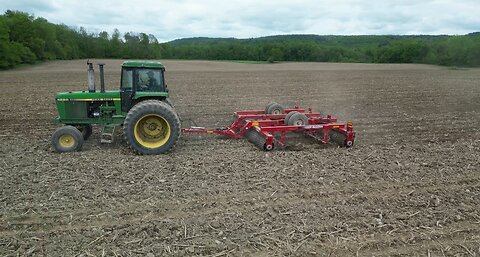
(150, 123)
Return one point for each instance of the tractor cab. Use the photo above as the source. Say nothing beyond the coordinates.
(141, 80)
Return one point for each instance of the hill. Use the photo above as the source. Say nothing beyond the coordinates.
(27, 39)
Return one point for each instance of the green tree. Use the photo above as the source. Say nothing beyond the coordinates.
(275, 54)
(115, 45)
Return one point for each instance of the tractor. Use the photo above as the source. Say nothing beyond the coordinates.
(151, 125)
(150, 122)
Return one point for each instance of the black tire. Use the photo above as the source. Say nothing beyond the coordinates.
(86, 130)
(297, 119)
(268, 105)
(151, 127)
(67, 139)
(275, 108)
(287, 117)
(169, 102)
(339, 138)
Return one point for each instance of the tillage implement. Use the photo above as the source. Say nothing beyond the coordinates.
(152, 126)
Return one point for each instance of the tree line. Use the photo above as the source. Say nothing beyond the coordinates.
(441, 50)
(25, 39)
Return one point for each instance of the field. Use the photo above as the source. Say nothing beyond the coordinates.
(409, 187)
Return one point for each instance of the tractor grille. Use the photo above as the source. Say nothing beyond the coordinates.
(76, 110)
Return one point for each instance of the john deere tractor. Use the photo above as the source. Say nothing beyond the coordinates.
(141, 106)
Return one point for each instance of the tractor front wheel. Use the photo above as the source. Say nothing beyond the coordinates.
(86, 130)
(67, 139)
(151, 127)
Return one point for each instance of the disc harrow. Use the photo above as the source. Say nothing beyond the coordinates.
(268, 128)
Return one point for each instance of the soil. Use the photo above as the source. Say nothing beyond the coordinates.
(409, 187)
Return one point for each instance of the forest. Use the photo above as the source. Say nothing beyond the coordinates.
(26, 39)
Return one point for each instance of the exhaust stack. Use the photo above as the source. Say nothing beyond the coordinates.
(102, 77)
(91, 77)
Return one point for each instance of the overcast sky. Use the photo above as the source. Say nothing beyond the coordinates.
(172, 19)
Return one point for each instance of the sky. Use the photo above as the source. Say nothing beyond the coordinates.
(173, 19)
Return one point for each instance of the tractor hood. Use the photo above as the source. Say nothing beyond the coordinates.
(88, 96)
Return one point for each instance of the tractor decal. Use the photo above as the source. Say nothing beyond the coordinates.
(87, 99)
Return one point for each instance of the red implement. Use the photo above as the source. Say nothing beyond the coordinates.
(267, 130)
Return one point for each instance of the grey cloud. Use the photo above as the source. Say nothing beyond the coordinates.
(29, 6)
(171, 19)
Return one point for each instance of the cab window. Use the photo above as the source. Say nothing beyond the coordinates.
(127, 79)
(150, 80)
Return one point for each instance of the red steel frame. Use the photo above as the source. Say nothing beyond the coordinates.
(269, 124)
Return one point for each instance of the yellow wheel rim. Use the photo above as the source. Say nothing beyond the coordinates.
(152, 131)
(67, 141)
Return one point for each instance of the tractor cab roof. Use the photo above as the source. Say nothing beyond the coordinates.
(143, 64)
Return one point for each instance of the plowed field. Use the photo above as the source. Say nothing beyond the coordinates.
(409, 187)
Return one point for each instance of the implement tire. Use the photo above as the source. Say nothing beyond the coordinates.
(268, 106)
(297, 119)
(274, 108)
(151, 127)
(287, 117)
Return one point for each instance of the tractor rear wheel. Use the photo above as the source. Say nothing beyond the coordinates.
(67, 139)
(169, 102)
(151, 127)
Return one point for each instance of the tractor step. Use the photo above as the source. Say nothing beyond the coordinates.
(108, 134)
